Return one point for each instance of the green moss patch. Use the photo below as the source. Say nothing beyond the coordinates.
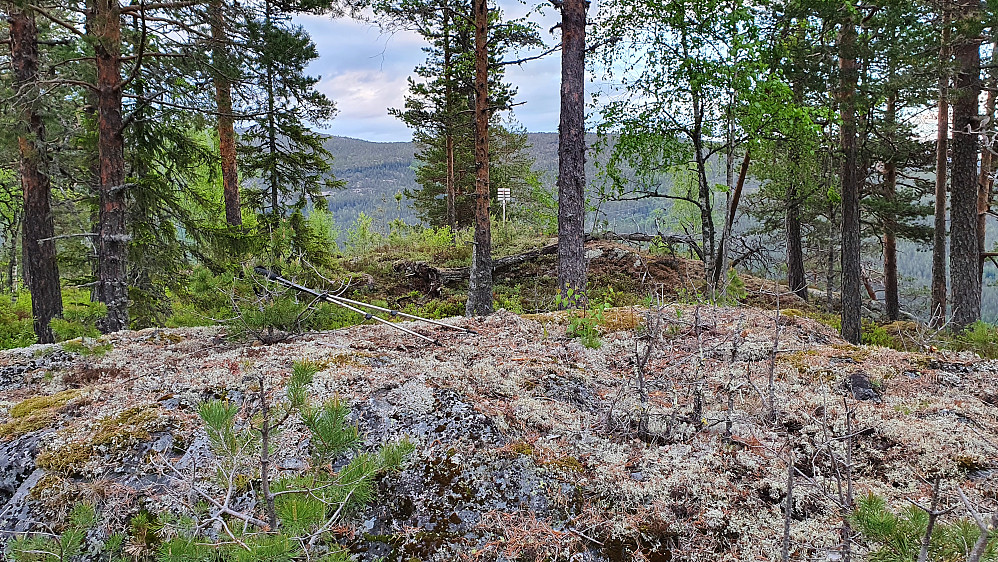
(27, 407)
(27, 424)
(35, 413)
(109, 436)
(87, 348)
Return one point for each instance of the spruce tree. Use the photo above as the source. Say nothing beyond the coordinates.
(278, 147)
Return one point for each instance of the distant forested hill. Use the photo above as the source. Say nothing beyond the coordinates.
(376, 171)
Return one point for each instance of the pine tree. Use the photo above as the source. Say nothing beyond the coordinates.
(937, 311)
(41, 269)
(480, 281)
(850, 181)
(112, 252)
(440, 107)
(223, 71)
(965, 282)
(894, 83)
(572, 151)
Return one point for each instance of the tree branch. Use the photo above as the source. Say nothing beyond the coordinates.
(528, 59)
(56, 20)
(160, 6)
(138, 56)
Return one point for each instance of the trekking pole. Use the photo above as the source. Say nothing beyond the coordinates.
(348, 304)
(405, 315)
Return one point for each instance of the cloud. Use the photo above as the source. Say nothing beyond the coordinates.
(365, 94)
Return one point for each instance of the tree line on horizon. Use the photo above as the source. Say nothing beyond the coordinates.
(122, 140)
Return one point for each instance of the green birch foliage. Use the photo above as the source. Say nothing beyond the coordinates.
(687, 75)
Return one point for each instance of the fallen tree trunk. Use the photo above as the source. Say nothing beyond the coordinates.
(432, 278)
(667, 239)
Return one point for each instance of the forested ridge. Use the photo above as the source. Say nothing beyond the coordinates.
(740, 306)
(376, 171)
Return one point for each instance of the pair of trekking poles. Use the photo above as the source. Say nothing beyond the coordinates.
(358, 307)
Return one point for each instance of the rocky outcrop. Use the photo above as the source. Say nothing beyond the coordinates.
(528, 445)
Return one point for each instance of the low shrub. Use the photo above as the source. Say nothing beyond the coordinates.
(979, 337)
(79, 318)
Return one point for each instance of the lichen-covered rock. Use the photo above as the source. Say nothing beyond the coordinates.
(528, 445)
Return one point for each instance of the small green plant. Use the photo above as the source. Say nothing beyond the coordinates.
(509, 298)
(735, 291)
(297, 510)
(584, 323)
(897, 537)
(873, 334)
(62, 547)
(979, 337)
(361, 236)
(16, 328)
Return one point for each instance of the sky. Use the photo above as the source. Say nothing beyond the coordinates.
(364, 71)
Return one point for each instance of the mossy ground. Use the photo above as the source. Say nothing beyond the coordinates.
(555, 419)
(106, 438)
(35, 413)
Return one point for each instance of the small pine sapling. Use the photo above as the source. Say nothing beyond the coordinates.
(51, 547)
(299, 508)
(900, 537)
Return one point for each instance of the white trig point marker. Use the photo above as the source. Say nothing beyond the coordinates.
(504, 197)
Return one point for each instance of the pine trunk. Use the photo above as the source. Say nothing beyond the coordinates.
(851, 268)
(449, 140)
(965, 255)
(38, 245)
(572, 153)
(891, 298)
(985, 181)
(830, 261)
(937, 313)
(112, 249)
(272, 182)
(226, 121)
(451, 185)
(796, 275)
(480, 283)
